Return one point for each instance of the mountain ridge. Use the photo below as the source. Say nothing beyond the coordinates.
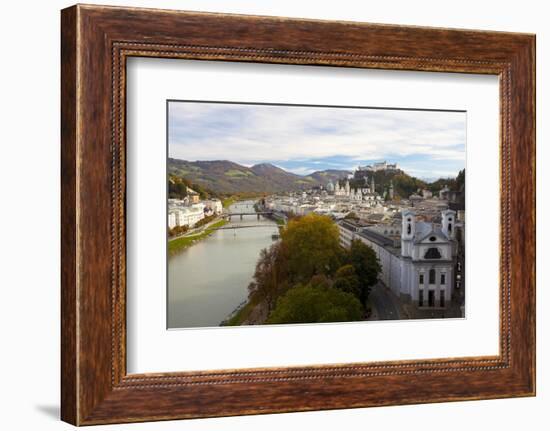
(226, 177)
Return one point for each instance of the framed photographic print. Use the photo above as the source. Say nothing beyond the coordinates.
(325, 241)
(267, 215)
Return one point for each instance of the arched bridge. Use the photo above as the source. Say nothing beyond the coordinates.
(242, 214)
(245, 226)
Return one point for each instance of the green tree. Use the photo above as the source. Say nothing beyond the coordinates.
(308, 304)
(320, 282)
(346, 280)
(460, 179)
(366, 265)
(405, 185)
(176, 188)
(312, 246)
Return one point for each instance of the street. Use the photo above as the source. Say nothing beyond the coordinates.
(386, 303)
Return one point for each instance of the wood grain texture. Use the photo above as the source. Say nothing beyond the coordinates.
(96, 41)
(69, 397)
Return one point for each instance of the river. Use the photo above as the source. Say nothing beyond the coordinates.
(209, 279)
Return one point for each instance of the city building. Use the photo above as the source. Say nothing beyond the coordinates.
(194, 198)
(427, 194)
(380, 166)
(171, 220)
(418, 259)
(214, 205)
(181, 215)
(360, 194)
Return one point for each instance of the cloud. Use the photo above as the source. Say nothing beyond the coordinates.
(305, 139)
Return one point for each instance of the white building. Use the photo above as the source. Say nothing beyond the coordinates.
(305, 209)
(185, 215)
(426, 194)
(214, 205)
(380, 166)
(444, 193)
(171, 220)
(417, 259)
(363, 194)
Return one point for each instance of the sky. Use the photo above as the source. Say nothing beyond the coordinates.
(304, 139)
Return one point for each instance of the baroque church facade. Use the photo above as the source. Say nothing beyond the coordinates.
(418, 259)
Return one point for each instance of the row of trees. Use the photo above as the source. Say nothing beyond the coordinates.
(308, 277)
(178, 230)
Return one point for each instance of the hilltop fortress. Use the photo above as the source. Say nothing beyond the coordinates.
(380, 166)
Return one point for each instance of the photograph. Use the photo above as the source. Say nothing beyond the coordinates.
(305, 214)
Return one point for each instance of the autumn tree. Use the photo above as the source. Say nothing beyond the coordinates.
(309, 264)
(346, 280)
(320, 281)
(270, 276)
(312, 246)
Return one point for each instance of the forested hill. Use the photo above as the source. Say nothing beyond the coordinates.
(226, 177)
(404, 184)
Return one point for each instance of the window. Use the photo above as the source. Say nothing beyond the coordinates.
(442, 298)
(432, 276)
(432, 253)
(421, 298)
(421, 279)
(442, 278)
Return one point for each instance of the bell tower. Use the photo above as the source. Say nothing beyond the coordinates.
(407, 232)
(448, 219)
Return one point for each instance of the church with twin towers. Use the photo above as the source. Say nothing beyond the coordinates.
(418, 258)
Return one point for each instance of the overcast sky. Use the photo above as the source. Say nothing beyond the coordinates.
(306, 139)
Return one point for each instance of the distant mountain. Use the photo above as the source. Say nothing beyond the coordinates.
(277, 177)
(225, 177)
